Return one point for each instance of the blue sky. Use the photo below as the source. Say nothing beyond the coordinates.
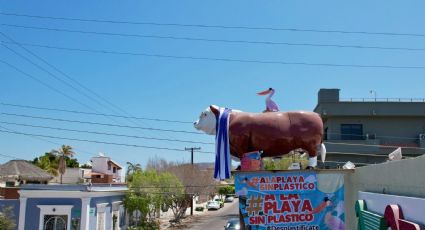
(179, 89)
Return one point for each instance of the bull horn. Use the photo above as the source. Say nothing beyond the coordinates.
(215, 110)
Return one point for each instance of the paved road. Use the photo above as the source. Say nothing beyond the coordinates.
(215, 220)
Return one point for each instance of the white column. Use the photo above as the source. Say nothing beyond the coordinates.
(116, 211)
(85, 214)
(22, 211)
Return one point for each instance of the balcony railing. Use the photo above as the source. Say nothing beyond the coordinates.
(382, 99)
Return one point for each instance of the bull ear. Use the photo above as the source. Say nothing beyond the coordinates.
(215, 110)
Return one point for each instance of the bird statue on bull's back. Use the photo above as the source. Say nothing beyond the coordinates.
(273, 133)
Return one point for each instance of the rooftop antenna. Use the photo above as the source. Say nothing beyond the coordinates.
(373, 92)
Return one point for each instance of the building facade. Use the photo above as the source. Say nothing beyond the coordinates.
(365, 131)
(104, 169)
(83, 207)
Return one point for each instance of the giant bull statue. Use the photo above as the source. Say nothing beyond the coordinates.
(274, 133)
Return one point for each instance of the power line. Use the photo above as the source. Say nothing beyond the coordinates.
(90, 113)
(48, 72)
(164, 120)
(213, 26)
(224, 59)
(53, 76)
(100, 142)
(43, 83)
(103, 124)
(212, 40)
(107, 134)
(68, 77)
(51, 142)
(182, 131)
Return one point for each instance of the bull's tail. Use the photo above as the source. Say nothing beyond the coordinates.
(322, 152)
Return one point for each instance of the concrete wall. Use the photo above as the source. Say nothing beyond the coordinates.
(71, 176)
(404, 178)
(100, 164)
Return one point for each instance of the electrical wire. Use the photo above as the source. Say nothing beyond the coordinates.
(69, 78)
(256, 61)
(48, 72)
(210, 39)
(103, 124)
(165, 120)
(43, 83)
(212, 26)
(90, 113)
(107, 134)
(51, 142)
(101, 142)
(182, 131)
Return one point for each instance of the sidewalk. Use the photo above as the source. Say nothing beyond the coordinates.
(167, 216)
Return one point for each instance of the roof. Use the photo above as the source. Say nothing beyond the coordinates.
(23, 170)
(388, 109)
(115, 163)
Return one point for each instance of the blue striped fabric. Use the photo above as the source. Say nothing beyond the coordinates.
(222, 147)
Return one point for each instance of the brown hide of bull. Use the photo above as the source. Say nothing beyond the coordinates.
(275, 133)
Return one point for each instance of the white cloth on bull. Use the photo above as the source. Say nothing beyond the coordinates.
(222, 146)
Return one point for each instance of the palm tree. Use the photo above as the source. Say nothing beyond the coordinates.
(131, 168)
(48, 165)
(62, 152)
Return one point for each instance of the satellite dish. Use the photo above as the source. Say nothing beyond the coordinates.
(101, 154)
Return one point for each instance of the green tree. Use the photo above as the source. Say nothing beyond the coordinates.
(149, 192)
(48, 165)
(62, 152)
(7, 220)
(285, 162)
(173, 195)
(226, 190)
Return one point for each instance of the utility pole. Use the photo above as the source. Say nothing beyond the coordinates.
(192, 149)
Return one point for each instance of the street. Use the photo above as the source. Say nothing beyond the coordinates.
(214, 220)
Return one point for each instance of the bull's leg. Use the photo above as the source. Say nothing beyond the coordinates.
(312, 154)
(312, 162)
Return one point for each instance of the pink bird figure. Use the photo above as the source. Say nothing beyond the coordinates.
(271, 106)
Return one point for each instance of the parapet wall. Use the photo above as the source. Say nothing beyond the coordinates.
(403, 178)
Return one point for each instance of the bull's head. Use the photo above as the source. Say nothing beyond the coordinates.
(207, 120)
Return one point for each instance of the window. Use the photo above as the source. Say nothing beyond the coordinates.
(109, 166)
(352, 132)
(114, 169)
(55, 222)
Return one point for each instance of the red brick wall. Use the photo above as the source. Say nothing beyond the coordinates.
(104, 179)
(9, 193)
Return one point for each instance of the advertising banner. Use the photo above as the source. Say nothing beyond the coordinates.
(286, 200)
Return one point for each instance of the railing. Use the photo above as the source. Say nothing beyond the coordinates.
(382, 100)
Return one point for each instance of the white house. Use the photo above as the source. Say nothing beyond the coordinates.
(102, 165)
